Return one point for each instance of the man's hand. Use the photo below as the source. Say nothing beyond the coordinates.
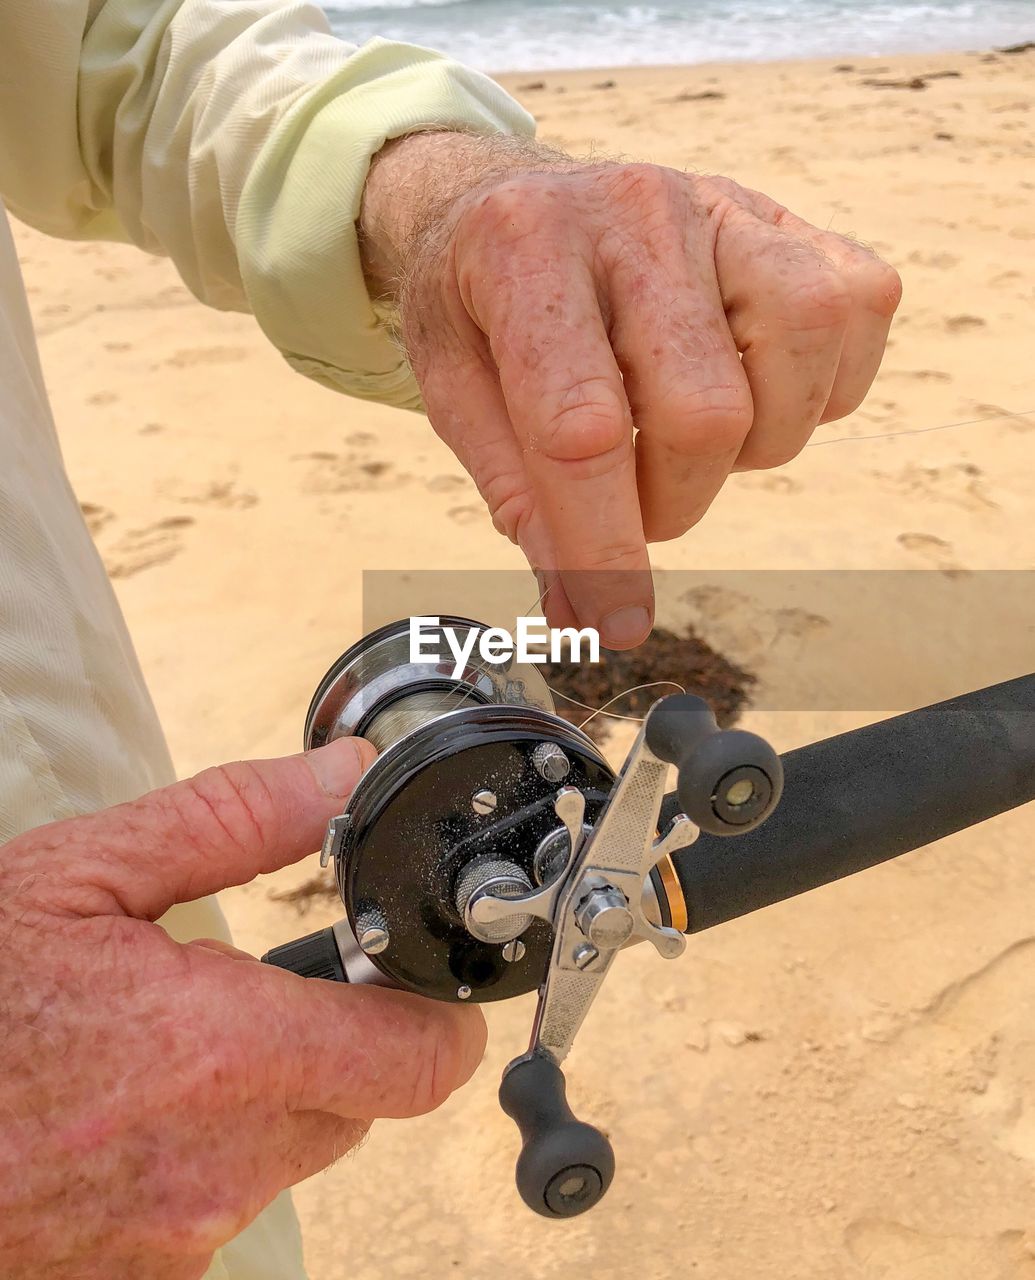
(154, 1097)
(550, 308)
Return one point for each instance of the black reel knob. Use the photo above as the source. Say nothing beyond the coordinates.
(565, 1166)
(730, 781)
(314, 956)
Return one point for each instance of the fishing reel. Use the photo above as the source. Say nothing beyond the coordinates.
(490, 851)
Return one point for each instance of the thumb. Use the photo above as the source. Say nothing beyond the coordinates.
(223, 827)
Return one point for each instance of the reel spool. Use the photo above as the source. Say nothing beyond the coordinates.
(459, 801)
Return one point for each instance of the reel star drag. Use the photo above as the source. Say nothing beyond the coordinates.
(490, 850)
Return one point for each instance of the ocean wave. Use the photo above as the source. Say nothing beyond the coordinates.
(389, 6)
(499, 35)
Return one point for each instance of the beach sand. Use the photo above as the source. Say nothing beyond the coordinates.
(841, 1086)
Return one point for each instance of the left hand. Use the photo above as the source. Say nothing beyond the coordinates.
(156, 1095)
(550, 308)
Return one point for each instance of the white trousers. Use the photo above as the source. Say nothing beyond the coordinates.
(78, 731)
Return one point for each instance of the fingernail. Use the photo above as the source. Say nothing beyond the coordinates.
(625, 627)
(340, 765)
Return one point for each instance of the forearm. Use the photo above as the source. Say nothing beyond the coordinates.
(235, 137)
(142, 121)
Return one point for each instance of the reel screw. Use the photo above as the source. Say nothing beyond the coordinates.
(484, 802)
(372, 931)
(604, 917)
(550, 762)
(514, 950)
(463, 992)
(584, 955)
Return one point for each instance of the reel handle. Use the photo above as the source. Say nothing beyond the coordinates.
(565, 1166)
(730, 781)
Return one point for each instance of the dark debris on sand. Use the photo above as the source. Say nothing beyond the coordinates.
(685, 659)
(317, 888)
(703, 95)
(912, 82)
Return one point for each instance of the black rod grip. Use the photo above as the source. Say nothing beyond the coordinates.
(863, 797)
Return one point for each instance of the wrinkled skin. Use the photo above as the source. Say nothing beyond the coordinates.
(154, 1097)
(552, 309)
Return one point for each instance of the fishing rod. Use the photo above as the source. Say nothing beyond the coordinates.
(490, 850)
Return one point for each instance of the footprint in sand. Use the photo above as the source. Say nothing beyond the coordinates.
(879, 411)
(961, 484)
(973, 1036)
(1015, 421)
(102, 398)
(206, 355)
(465, 515)
(933, 549)
(768, 482)
(214, 493)
(926, 542)
(890, 1250)
(447, 484)
(741, 627)
(348, 473)
(919, 375)
(960, 324)
(941, 261)
(141, 549)
(975, 1032)
(96, 517)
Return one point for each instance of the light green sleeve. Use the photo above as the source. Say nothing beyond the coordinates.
(233, 136)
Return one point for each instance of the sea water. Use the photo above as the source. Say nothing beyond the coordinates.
(503, 35)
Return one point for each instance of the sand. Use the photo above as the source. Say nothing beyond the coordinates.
(842, 1086)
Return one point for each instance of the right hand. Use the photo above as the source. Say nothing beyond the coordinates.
(154, 1096)
(602, 345)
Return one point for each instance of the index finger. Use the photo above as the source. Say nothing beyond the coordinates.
(568, 407)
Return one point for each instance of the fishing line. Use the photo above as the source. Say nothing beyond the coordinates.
(614, 715)
(921, 431)
(456, 698)
(482, 668)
